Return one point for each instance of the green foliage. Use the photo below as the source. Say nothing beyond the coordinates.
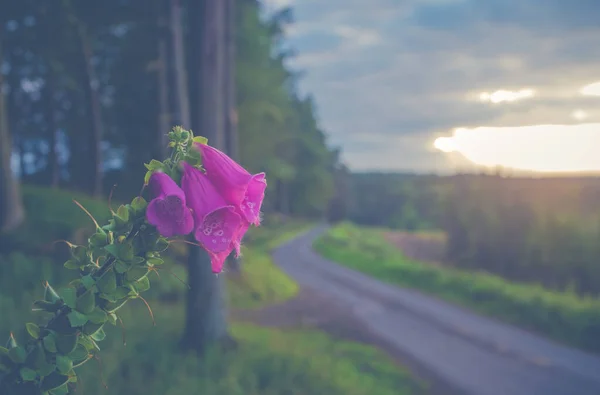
(561, 315)
(78, 312)
(544, 231)
(278, 130)
(397, 201)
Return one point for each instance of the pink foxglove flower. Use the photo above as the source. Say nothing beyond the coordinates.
(239, 188)
(168, 211)
(217, 224)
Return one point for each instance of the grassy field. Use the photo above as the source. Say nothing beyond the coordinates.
(265, 361)
(560, 315)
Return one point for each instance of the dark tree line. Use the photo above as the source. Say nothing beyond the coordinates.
(525, 229)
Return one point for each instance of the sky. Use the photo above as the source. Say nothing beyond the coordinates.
(395, 81)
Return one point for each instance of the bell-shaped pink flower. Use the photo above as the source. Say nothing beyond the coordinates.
(168, 211)
(239, 188)
(217, 225)
(218, 259)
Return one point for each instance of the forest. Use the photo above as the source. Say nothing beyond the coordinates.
(543, 230)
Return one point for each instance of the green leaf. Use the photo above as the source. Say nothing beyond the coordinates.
(116, 296)
(17, 354)
(136, 273)
(98, 316)
(138, 260)
(33, 330)
(88, 281)
(3, 351)
(80, 353)
(27, 374)
(86, 342)
(64, 363)
(46, 369)
(90, 328)
(108, 282)
(121, 267)
(161, 245)
(52, 381)
(36, 357)
(86, 302)
(154, 165)
(42, 305)
(139, 204)
(200, 139)
(50, 294)
(98, 239)
(77, 319)
(112, 318)
(65, 344)
(155, 261)
(121, 251)
(114, 306)
(147, 176)
(69, 296)
(49, 343)
(193, 157)
(12, 342)
(126, 252)
(99, 335)
(72, 264)
(143, 284)
(79, 253)
(112, 249)
(123, 213)
(62, 390)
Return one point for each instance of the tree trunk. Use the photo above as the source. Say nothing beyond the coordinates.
(12, 212)
(164, 114)
(182, 97)
(206, 321)
(231, 132)
(49, 115)
(94, 110)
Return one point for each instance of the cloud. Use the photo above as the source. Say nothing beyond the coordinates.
(393, 71)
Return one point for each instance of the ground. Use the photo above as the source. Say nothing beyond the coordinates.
(310, 309)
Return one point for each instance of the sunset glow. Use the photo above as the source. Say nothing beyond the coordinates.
(506, 96)
(542, 148)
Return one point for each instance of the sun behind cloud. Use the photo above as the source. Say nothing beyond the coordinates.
(541, 148)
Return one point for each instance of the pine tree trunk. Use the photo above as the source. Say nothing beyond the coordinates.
(12, 212)
(231, 131)
(206, 314)
(164, 114)
(94, 111)
(49, 114)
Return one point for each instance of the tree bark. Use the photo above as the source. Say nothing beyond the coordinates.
(94, 110)
(231, 131)
(206, 321)
(182, 96)
(12, 212)
(164, 113)
(49, 114)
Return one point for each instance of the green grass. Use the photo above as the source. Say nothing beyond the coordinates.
(562, 316)
(265, 362)
(261, 281)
